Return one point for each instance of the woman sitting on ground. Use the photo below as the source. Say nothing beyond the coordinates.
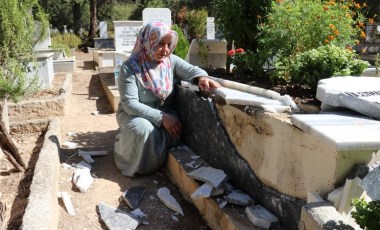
(148, 124)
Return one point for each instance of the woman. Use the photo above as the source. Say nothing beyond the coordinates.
(148, 124)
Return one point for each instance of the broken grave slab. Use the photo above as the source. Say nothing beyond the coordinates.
(360, 94)
(168, 200)
(240, 198)
(371, 184)
(116, 219)
(215, 177)
(133, 196)
(261, 217)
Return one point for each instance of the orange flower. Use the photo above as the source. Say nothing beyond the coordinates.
(370, 21)
(349, 48)
(231, 53)
(330, 37)
(325, 8)
(336, 32)
(357, 5)
(357, 42)
(332, 26)
(364, 5)
(361, 24)
(239, 50)
(362, 34)
(325, 41)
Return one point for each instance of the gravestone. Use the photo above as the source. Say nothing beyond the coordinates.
(125, 35)
(361, 94)
(45, 43)
(42, 69)
(103, 30)
(210, 28)
(157, 15)
(208, 54)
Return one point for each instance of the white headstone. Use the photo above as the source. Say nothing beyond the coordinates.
(46, 41)
(361, 94)
(125, 35)
(210, 28)
(42, 69)
(103, 30)
(157, 15)
(215, 52)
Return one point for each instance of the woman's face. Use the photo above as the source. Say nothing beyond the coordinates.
(163, 48)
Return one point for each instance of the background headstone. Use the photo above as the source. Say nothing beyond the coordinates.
(103, 30)
(45, 42)
(215, 54)
(157, 15)
(210, 28)
(125, 35)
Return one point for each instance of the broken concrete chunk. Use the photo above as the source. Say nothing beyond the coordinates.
(240, 198)
(88, 159)
(351, 190)
(215, 177)
(194, 157)
(66, 166)
(261, 217)
(202, 192)
(67, 202)
(133, 196)
(92, 153)
(168, 200)
(359, 170)
(116, 219)
(83, 165)
(82, 179)
(335, 197)
(138, 213)
(371, 184)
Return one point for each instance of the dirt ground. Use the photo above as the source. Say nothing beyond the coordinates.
(91, 132)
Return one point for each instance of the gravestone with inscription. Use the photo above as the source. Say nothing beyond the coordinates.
(207, 53)
(103, 30)
(210, 28)
(125, 35)
(361, 94)
(157, 15)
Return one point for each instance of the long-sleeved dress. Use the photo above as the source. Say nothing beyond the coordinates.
(141, 145)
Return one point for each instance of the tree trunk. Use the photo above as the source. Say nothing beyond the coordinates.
(77, 17)
(7, 145)
(93, 19)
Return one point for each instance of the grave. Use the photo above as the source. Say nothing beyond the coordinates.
(157, 15)
(125, 35)
(360, 94)
(210, 28)
(208, 54)
(42, 68)
(103, 30)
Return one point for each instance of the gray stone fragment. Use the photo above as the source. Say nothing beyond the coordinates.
(215, 177)
(371, 184)
(168, 200)
(261, 217)
(116, 219)
(359, 170)
(133, 196)
(202, 192)
(240, 198)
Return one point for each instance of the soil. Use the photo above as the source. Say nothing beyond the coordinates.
(97, 132)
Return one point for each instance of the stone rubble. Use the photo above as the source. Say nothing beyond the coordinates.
(215, 177)
(371, 184)
(116, 219)
(82, 179)
(67, 202)
(202, 192)
(168, 200)
(261, 217)
(132, 196)
(239, 198)
(69, 145)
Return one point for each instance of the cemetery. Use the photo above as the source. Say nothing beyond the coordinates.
(249, 158)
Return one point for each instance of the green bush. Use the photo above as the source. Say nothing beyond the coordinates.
(196, 23)
(294, 27)
(367, 214)
(324, 62)
(183, 45)
(245, 63)
(69, 39)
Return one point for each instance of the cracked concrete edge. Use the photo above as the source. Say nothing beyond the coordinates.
(42, 209)
(51, 107)
(216, 218)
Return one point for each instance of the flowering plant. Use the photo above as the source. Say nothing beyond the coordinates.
(244, 62)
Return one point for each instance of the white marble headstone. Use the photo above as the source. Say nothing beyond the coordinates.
(361, 94)
(103, 30)
(45, 43)
(125, 35)
(216, 53)
(210, 28)
(157, 15)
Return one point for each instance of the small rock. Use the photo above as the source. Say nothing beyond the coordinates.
(83, 165)
(194, 157)
(82, 179)
(94, 98)
(133, 196)
(202, 192)
(116, 218)
(359, 170)
(175, 218)
(138, 213)
(67, 202)
(215, 177)
(371, 184)
(95, 113)
(69, 145)
(239, 198)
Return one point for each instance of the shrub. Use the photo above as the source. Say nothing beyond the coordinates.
(324, 62)
(245, 62)
(183, 45)
(69, 39)
(367, 214)
(294, 27)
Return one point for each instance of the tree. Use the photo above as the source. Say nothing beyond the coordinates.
(18, 36)
(92, 32)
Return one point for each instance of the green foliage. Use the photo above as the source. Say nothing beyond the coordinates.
(183, 45)
(18, 36)
(69, 39)
(245, 63)
(324, 62)
(294, 27)
(124, 11)
(238, 20)
(367, 214)
(196, 23)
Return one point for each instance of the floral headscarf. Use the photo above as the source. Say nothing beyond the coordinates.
(156, 76)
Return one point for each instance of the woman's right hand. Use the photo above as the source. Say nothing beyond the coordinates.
(172, 125)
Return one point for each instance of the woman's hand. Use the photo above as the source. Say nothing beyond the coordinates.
(207, 84)
(172, 125)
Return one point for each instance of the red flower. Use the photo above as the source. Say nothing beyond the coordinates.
(231, 53)
(239, 50)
